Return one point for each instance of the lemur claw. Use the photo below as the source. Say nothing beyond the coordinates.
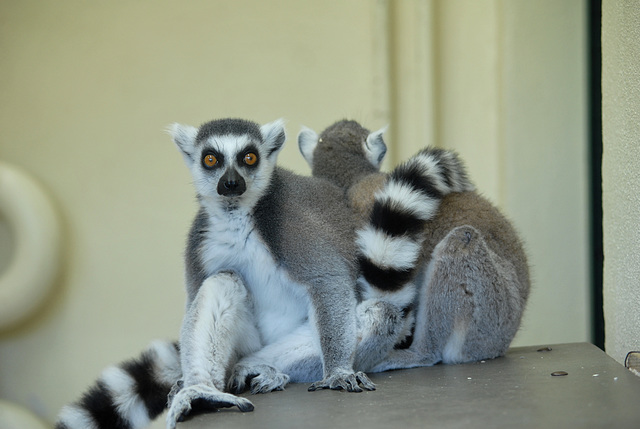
(200, 397)
(351, 382)
(261, 378)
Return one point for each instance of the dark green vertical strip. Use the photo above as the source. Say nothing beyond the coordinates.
(594, 17)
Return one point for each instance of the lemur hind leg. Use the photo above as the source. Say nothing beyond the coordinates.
(467, 292)
(217, 329)
(295, 357)
(474, 303)
(261, 378)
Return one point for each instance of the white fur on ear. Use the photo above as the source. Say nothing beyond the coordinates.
(307, 142)
(184, 136)
(274, 135)
(375, 148)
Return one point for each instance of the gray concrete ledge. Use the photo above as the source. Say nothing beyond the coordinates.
(515, 391)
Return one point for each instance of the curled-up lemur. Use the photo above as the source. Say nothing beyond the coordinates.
(471, 277)
(271, 274)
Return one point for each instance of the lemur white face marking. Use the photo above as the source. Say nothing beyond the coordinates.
(229, 165)
(230, 169)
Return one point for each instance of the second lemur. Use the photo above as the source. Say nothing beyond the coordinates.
(468, 274)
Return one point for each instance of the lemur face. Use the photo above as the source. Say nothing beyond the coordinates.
(231, 160)
(228, 163)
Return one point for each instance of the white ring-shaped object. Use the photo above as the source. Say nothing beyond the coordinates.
(13, 416)
(35, 260)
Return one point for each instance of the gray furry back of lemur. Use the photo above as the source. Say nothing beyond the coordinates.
(472, 275)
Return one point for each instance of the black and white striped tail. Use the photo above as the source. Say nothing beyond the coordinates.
(390, 245)
(129, 395)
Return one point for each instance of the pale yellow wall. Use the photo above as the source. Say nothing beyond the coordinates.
(621, 175)
(544, 161)
(88, 87)
(510, 96)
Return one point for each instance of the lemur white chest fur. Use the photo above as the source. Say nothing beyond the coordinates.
(232, 242)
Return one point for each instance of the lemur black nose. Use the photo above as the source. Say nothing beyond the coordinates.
(231, 184)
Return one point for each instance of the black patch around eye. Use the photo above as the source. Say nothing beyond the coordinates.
(219, 157)
(247, 150)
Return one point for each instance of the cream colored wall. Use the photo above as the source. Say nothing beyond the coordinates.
(620, 171)
(509, 93)
(89, 87)
(544, 161)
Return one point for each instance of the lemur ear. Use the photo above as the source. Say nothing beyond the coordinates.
(274, 135)
(307, 142)
(184, 136)
(375, 148)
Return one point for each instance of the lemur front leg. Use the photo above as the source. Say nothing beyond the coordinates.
(217, 329)
(337, 331)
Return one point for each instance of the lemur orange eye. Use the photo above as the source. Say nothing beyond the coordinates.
(209, 160)
(250, 158)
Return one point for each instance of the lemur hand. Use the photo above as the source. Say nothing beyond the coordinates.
(344, 380)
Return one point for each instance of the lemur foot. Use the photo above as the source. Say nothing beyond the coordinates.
(351, 382)
(202, 398)
(261, 378)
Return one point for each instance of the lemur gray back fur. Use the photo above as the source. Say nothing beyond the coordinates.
(473, 280)
(392, 209)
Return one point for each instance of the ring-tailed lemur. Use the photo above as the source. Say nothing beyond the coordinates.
(474, 278)
(238, 184)
(269, 254)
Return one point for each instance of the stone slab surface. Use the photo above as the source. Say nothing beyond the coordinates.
(515, 391)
